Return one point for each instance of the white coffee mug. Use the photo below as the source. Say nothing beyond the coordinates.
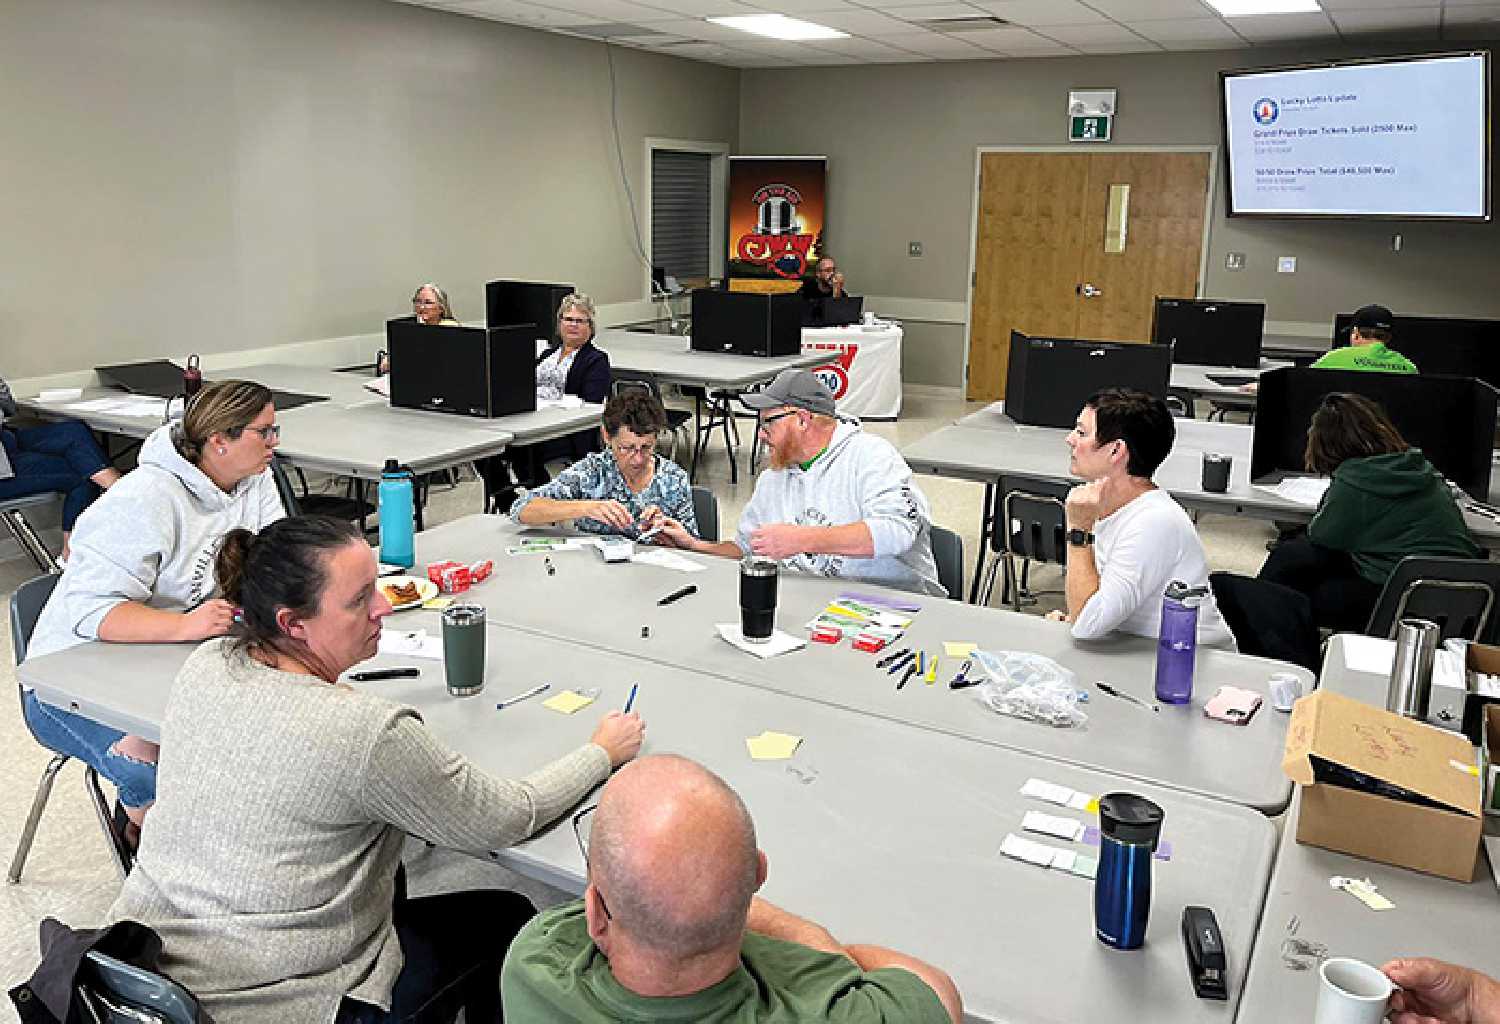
(1351, 992)
(869, 319)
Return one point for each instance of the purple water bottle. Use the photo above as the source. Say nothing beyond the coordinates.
(1177, 642)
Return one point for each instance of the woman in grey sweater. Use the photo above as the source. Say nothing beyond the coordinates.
(283, 798)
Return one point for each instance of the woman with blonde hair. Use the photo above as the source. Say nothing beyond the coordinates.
(141, 569)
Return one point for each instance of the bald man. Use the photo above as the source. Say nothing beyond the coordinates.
(670, 928)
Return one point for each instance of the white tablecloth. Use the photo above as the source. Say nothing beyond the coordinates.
(864, 368)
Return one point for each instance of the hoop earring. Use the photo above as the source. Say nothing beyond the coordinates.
(223, 451)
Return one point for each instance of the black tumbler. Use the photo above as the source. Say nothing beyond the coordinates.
(757, 598)
(1216, 472)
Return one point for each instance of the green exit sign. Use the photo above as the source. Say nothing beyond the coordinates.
(1094, 128)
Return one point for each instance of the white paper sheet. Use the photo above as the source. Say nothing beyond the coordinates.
(1303, 490)
(780, 642)
(411, 643)
(667, 560)
(1368, 654)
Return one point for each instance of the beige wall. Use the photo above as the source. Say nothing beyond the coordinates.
(209, 175)
(901, 143)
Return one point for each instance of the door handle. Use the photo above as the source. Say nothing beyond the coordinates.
(1088, 291)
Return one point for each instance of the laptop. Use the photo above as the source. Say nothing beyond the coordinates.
(163, 379)
(834, 312)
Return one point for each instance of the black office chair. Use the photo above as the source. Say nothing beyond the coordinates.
(25, 608)
(706, 511)
(111, 991)
(948, 553)
(1029, 523)
(677, 419)
(1459, 594)
(1180, 404)
(352, 505)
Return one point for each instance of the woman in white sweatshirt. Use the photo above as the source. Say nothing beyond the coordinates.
(141, 568)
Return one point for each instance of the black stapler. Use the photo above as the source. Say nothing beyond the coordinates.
(1205, 952)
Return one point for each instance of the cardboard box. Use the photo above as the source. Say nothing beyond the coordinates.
(1436, 828)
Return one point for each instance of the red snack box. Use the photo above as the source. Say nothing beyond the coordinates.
(826, 634)
(455, 579)
(435, 571)
(867, 643)
(480, 571)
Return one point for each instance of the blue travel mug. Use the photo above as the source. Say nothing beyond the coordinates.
(1129, 828)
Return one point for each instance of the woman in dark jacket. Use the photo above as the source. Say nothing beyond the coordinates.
(573, 365)
(1384, 501)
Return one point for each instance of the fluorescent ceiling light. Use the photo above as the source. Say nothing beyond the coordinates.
(779, 26)
(1247, 8)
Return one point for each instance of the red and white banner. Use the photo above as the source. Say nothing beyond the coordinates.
(864, 368)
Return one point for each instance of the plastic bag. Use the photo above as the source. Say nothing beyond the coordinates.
(1029, 686)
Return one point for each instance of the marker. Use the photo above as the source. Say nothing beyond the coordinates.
(630, 701)
(909, 658)
(911, 670)
(507, 702)
(678, 595)
(889, 658)
(385, 673)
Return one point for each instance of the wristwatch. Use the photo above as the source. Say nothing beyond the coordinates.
(1080, 538)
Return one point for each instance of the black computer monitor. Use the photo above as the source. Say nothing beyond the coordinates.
(470, 371)
(746, 323)
(833, 312)
(1453, 346)
(1210, 332)
(1452, 419)
(1048, 379)
(511, 303)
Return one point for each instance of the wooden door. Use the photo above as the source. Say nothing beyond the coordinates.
(1040, 238)
(1026, 257)
(1163, 241)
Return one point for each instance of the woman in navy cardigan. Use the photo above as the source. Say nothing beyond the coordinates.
(573, 365)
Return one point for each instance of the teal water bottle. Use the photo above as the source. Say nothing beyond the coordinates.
(397, 514)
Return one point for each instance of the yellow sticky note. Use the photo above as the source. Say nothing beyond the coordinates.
(567, 702)
(437, 604)
(1092, 806)
(773, 746)
(953, 649)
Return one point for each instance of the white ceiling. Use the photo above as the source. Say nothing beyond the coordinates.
(903, 31)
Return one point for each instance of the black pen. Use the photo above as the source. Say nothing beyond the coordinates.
(901, 662)
(385, 673)
(911, 670)
(1126, 696)
(889, 658)
(678, 594)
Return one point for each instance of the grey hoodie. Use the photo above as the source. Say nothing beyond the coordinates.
(860, 477)
(151, 538)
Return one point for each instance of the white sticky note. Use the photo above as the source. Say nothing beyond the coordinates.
(1080, 801)
(1052, 825)
(411, 643)
(1026, 850)
(780, 642)
(1051, 792)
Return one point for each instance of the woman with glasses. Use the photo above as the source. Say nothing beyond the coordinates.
(429, 304)
(272, 867)
(572, 365)
(141, 569)
(625, 489)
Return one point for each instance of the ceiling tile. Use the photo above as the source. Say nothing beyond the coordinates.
(936, 44)
(855, 46)
(1151, 10)
(1334, 6)
(1093, 35)
(1186, 30)
(1488, 13)
(1421, 19)
(1123, 46)
(803, 8)
(612, 10)
(699, 8)
(697, 28)
(1043, 13)
(864, 23)
(1275, 27)
(929, 11)
(1011, 39)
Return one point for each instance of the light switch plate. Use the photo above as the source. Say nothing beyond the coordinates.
(913, 248)
(1286, 264)
(1234, 261)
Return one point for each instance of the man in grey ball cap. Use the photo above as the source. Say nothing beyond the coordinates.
(834, 502)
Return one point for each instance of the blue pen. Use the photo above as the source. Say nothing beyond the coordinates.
(630, 701)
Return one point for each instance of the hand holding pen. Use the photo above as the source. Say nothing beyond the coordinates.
(621, 735)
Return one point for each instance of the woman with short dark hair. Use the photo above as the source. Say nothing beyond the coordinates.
(625, 489)
(270, 870)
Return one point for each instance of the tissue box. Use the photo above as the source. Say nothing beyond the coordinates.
(1384, 787)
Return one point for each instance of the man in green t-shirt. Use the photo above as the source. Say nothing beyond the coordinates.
(1369, 334)
(670, 928)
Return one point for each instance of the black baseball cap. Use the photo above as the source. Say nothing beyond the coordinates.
(1373, 317)
(799, 388)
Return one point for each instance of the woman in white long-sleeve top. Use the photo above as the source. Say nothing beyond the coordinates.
(270, 867)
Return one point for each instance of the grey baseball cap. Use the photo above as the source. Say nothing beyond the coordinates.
(799, 388)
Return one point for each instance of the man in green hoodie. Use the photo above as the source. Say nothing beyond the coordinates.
(1369, 335)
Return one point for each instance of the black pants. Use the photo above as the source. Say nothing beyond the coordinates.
(1301, 587)
(453, 945)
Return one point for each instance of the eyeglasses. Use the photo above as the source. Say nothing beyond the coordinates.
(271, 433)
(583, 848)
(634, 450)
(425, 302)
(766, 421)
(577, 321)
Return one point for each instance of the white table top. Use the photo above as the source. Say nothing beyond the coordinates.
(1193, 378)
(356, 430)
(670, 359)
(1433, 916)
(893, 841)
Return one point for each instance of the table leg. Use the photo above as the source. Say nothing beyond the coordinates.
(984, 537)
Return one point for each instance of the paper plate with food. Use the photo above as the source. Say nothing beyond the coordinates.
(407, 591)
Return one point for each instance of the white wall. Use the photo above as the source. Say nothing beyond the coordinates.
(211, 175)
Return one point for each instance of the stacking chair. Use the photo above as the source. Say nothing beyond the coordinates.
(25, 608)
(677, 419)
(353, 505)
(111, 991)
(1028, 522)
(706, 511)
(1459, 594)
(12, 511)
(948, 553)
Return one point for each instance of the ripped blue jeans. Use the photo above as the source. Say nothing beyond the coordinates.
(93, 744)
